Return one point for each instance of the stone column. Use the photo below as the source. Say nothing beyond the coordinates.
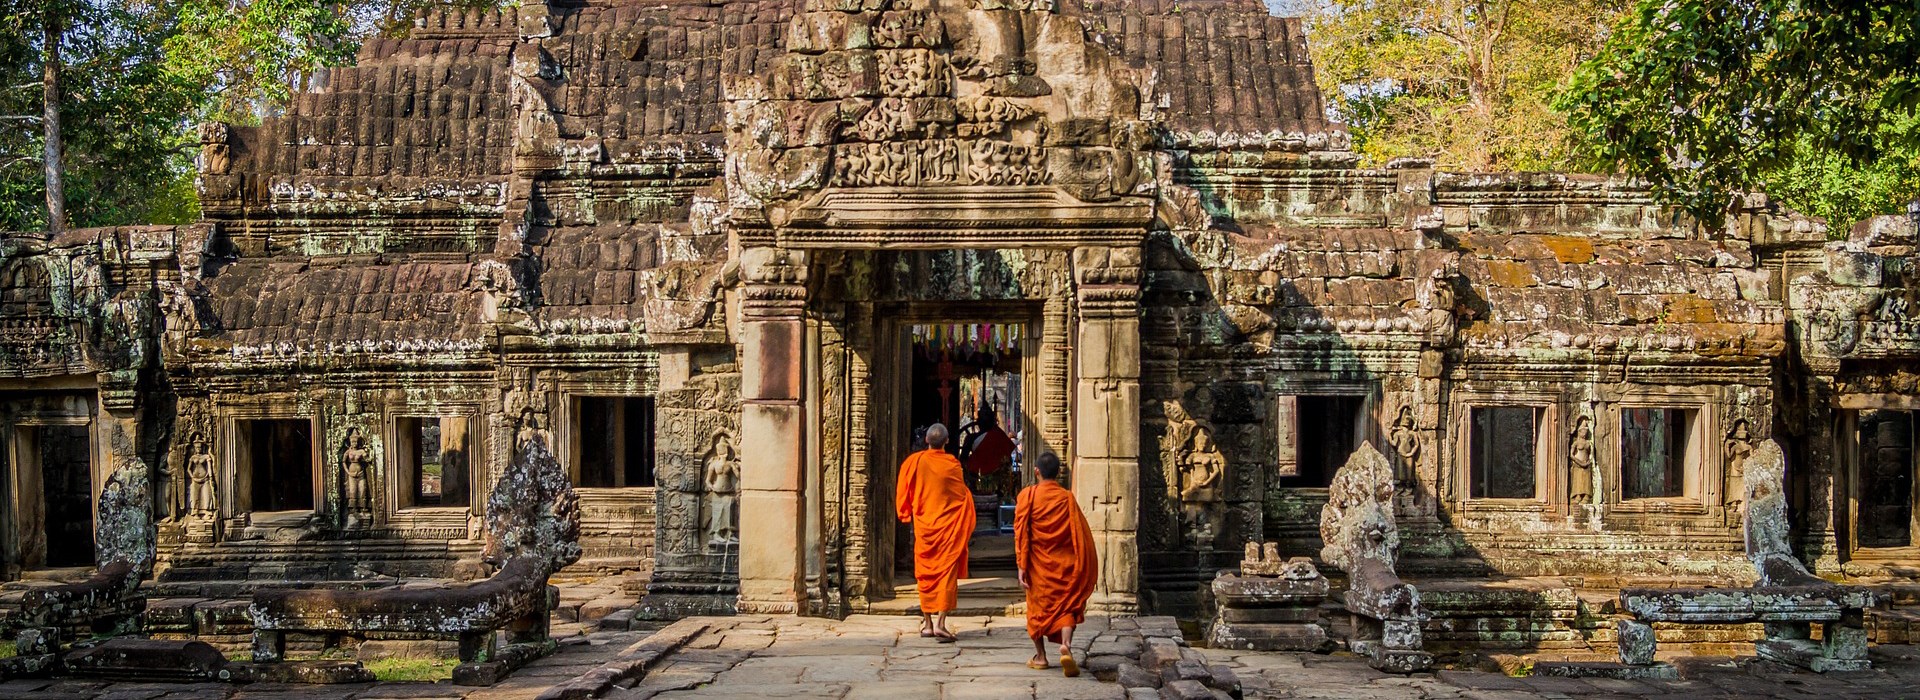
(773, 434)
(1826, 497)
(1106, 464)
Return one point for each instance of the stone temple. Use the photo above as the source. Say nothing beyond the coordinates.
(731, 254)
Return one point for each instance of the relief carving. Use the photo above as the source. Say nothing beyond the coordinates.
(938, 162)
(1435, 297)
(1739, 448)
(1198, 467)
(201, 499)
(1580, 458)
(912, 73)
(354, 461)
(721, 502)
(1406, 444)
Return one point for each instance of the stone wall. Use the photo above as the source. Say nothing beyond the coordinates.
(723, 210)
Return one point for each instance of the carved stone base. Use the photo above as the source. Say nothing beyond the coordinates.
(1269, 636)
(674, 606)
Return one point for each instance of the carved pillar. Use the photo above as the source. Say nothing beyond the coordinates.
(1107, 417)
(124, 503)
(773, 430)
(1826, 498)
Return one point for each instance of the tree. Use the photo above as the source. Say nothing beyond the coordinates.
(53, 26)
(1468, 82)
(1709, 98)
(90, 125)
(250, 55)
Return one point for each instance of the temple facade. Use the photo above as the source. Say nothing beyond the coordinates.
(732, 254)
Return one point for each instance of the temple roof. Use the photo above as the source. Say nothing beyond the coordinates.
(645, 75)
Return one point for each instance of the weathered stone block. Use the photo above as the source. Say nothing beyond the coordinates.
(1185, 690)
(143, 660)
(1637, 642)
(1132, 676)
(1270, 637)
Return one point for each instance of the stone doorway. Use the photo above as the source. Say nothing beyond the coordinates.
(952, 361)
(1885, 462)
(48, 457)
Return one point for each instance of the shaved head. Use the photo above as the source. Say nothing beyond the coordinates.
(1048, 465)
(937, 436)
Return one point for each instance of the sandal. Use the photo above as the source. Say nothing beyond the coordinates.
(1037, 665)
(1068, 666)
(947, 638)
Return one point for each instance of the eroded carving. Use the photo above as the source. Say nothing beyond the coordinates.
(355, 465)
(1197, 470)
(1405, 439)
(1361, 537)
(722, 481)
(1580, 458)
(201, 498)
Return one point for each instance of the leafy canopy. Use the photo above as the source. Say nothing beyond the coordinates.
(122, 117)
(1467, 82)
(1811, 99)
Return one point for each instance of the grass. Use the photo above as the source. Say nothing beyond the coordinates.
(412, 669)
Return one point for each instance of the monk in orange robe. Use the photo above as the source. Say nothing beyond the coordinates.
(933, 496)
(1058, 567)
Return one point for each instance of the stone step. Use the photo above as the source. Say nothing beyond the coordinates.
(978, 596)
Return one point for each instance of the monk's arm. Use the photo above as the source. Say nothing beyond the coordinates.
(903, 494)
(1022, 524)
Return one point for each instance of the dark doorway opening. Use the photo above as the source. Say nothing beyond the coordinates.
(1887, 463)
(66, 487)
(280, 464)
(1329, 430)
(972, 378)
(614, 440)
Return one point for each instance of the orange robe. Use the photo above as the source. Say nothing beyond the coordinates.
(1052, 543)
(933, 496)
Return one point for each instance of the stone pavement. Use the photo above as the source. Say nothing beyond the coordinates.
(867, 657)
(864, 657)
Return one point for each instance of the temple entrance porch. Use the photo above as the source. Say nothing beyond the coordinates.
(972, 368)
(48, 453)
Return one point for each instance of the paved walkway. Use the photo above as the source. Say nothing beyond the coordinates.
(883, 657)
(861, 658)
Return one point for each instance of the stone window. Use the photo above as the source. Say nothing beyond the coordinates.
(1317, 435)
(613, 441)
(54, 523)
(433, 456)
(276, 465)
(1658, 453)
(1504, 444)
(1885, 479)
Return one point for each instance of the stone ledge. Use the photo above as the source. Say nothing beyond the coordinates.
(631, 666)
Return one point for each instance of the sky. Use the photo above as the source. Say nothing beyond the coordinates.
(1288, 8)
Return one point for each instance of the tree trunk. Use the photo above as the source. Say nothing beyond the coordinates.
(50, 119)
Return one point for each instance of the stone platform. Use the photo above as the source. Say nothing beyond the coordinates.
(882, 657)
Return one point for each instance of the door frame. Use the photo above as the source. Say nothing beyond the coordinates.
(890, 438)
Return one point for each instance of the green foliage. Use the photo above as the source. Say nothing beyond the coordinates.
(138, 75)
(1466, 82)
(251, 56)
(1830, 185)
(124, 135)
(1708, 98)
